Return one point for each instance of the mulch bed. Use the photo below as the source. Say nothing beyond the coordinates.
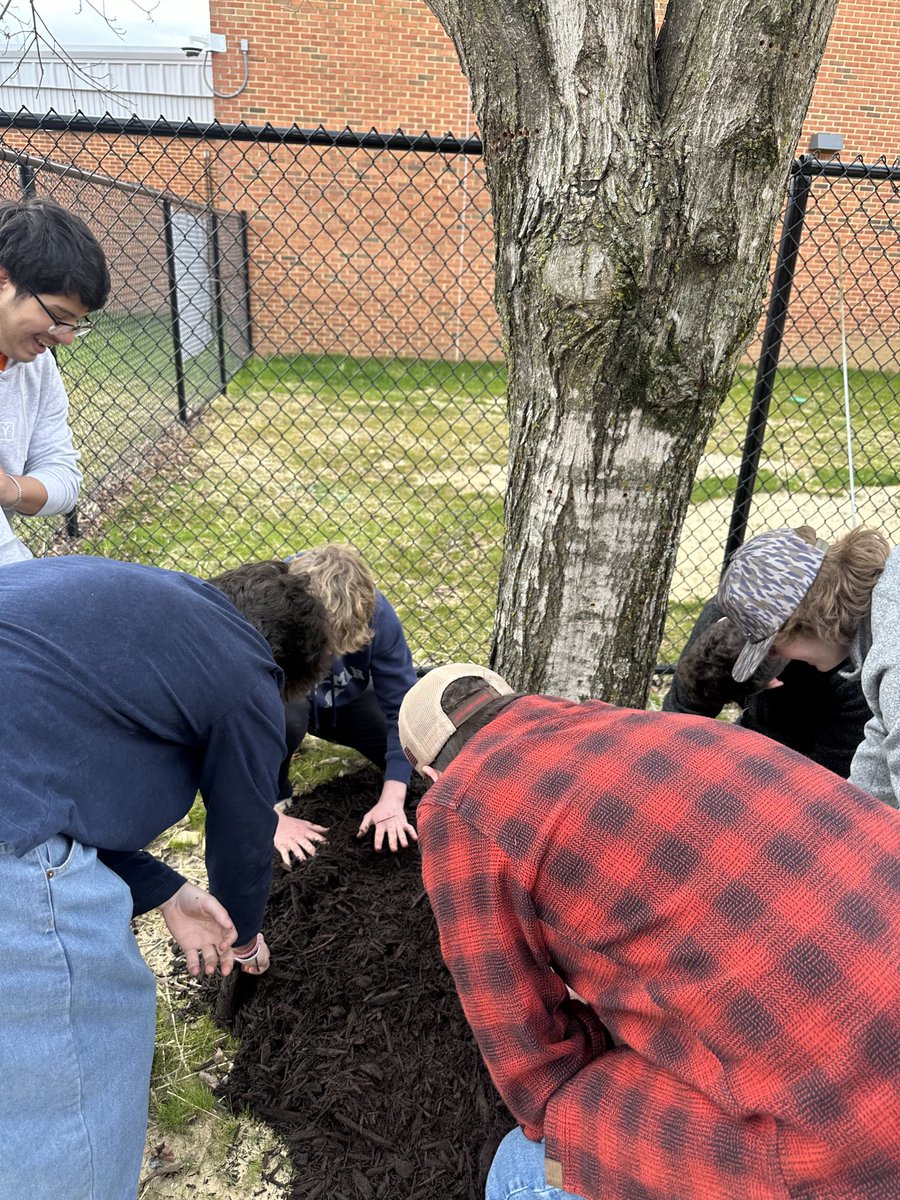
(353, 1045)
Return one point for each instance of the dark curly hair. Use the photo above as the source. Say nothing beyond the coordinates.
(284, 610)
(704, 670)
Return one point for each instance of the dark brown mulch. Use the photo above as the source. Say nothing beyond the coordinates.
(354, 1046)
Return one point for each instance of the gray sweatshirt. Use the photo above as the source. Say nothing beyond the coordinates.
(876, 764)
(35, 439)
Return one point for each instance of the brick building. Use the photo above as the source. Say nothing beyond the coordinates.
(389, 64)
(380, 253)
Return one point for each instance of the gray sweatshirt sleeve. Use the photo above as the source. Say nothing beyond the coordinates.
(50, 455)
(11, 548)
(876, 764)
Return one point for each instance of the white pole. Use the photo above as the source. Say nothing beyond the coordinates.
(840, 283)
(460, 260)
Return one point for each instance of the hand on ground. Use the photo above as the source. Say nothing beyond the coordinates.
(388, 818)
(201, 927)
(298, 837)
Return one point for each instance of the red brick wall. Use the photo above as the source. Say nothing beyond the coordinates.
(362, 251)
(364, 63)
(365, 252)
(858, 90)
(389, 64)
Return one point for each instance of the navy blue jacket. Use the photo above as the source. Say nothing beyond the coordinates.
(385, 662)
(125, 691)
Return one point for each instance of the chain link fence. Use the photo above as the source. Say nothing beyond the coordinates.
(808, 433)
(302, 346)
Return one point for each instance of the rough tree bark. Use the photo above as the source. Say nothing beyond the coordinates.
(635, 183)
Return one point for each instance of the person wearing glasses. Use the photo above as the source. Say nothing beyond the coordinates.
(53, 273)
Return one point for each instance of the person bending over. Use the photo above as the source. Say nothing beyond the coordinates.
(837, 610)
(52, 274)
(126, 690)
(675, 942)
(356, 703)
(821, 715)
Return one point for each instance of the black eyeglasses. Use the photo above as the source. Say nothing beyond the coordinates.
(58, 326)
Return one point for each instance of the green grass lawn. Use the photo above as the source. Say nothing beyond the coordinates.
(406, 459)
(121, 383)
(806, 437)
(403, 458)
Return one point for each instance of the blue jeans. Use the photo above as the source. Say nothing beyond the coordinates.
(517, 1172)
(77, 1026)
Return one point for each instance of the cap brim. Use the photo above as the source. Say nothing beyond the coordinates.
(750, 657)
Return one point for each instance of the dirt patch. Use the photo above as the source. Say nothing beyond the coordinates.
(354, 1046)
(216, 1156)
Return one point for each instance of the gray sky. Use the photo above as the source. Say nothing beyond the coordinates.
(73, 23)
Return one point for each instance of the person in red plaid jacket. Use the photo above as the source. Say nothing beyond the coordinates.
(676, 943)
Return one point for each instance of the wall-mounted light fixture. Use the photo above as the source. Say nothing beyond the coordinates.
(826, 143)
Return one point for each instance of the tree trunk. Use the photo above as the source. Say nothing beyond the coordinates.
(635, 184)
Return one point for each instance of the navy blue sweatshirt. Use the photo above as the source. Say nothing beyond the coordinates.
(125, 691)
(387, 663)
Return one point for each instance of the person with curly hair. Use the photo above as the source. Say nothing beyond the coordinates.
(126, 691)
(822, 607)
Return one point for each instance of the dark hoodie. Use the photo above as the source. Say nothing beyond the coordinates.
(819, 714)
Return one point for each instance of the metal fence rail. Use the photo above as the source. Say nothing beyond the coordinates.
(302, 346)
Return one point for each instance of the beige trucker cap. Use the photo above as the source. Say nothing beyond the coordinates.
(424, 726)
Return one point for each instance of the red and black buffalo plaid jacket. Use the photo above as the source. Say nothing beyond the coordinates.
(727, 909)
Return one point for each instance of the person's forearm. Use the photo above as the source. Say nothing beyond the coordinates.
(22, 494)
(394, 792)
(150, 881)
(397, 768)
(590, 1133)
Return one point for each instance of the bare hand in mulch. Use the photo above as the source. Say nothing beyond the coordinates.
(296, 836)
(201, 927)
(388, 820)
(353, 1045)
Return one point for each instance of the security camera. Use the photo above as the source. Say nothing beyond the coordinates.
(191, 51)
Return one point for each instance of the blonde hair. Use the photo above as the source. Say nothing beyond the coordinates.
(346, 587)
(841, 594)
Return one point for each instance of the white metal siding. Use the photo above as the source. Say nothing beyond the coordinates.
(149, 83)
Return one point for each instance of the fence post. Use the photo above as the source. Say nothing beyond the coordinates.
(770, 352)
(217, 298)
(177, 354)
(27, 181)
(245, 264)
